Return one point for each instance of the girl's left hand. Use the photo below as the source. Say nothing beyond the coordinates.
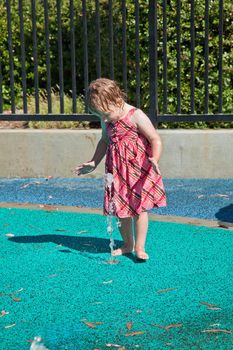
(155, 165)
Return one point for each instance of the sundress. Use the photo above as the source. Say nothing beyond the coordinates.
(136, 186)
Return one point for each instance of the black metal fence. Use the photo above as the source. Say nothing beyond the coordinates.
(124, 40)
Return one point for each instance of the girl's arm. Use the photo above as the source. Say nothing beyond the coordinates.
(100, 151)
(99, 154)
(146, 128)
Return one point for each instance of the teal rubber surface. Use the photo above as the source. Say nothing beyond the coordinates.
(56, 274)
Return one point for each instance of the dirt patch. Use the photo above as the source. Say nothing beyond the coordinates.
(13, 125)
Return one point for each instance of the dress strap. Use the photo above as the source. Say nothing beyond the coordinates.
(130, 113)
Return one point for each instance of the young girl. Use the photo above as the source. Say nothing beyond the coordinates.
(133, 148)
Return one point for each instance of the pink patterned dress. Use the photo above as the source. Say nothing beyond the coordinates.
(136, 187)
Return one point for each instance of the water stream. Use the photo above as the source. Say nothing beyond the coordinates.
(108, 179)
(37, 345)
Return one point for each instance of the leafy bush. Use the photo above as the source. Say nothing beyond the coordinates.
(118, 57)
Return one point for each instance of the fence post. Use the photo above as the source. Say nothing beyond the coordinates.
(153, 62)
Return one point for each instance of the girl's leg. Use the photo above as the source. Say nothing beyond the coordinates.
(141, 228)
(126, 231)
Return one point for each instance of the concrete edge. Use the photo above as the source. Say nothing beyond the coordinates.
(187, 153)
(152, 217)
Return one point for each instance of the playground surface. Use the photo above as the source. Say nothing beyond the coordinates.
(59, 281)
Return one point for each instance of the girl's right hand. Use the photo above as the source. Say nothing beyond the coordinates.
(85, 168)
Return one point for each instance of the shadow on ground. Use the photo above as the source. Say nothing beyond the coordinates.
(82, 244)
(225, 215)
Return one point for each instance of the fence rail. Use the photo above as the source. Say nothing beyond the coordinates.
(101, 40)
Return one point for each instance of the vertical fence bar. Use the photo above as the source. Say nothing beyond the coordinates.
(178, 50)
(206, 74)
(73, 58)
(35, 57)
(124, 45)
(22, 48)
(98, 46)
(85, 50)
(220, 54)
(60, 57)
(11, 58)
(164, 56)
(153, 61)
(111, 55)
(137, 54)
(47, 46)
(1, 98)
(192, 34)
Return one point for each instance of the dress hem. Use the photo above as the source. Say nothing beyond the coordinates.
(132, 216)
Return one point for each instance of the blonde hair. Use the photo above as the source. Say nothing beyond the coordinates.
(104, 92)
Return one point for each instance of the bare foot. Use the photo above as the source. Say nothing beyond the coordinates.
(141, 254)
(122, 250)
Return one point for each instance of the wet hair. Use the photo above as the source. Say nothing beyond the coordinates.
(104, 92)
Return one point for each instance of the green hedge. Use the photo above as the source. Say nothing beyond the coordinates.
(171, 51)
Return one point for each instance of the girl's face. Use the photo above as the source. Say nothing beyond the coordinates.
(112, 115)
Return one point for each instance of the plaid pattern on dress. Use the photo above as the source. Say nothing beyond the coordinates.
(136, 186)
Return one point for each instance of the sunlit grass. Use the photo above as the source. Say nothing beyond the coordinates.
(55, 100)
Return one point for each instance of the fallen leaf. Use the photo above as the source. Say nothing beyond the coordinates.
(48, 207)
(9, 234)
(223, 225)
(25, 186)
(3, 313)
(10, 325)
(219, 195)
(16, 299)
(89, 324)
(112, 345)
(217, 331)
(97, 322)
(166, 290)
(107, 282)
(129, 325)
(208, 304)
(38, 228)
(173, 325)
(97, 302)
(80, 232)
(112, 262)
(134, 333)
(54, 275)
(158, 325)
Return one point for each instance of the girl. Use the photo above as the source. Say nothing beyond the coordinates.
(133, 148)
